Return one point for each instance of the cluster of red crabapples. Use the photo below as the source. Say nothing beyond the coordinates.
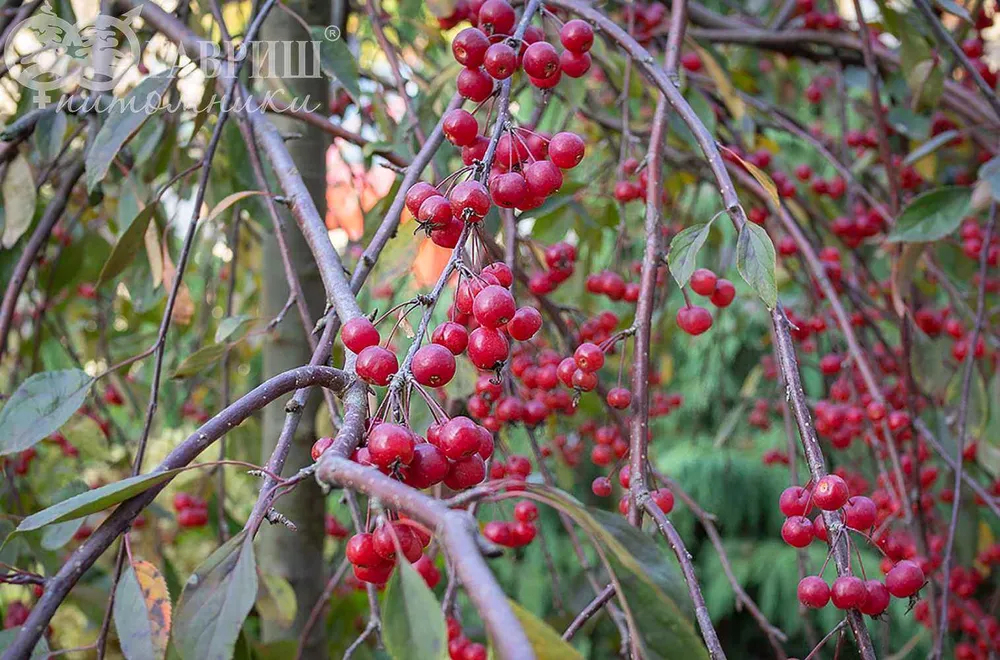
(192, 511)
(831, 494)
(695, 320)
(373, 555)
(489, 52)
(461, 647)
(517, 533)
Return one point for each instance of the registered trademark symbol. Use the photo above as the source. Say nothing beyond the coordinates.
(332, 33)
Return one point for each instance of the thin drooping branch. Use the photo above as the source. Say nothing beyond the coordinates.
(989, 500)
(817, 466)
(60, 584)
(321, 603)
(639, 497)
(588, 612)
(835, 45)
(774, 635)
(368, 259)
(857, 353)
(882, 125)
(843, 323)
(837, 628)
(175, 289)
(963, 417)
(323, 123)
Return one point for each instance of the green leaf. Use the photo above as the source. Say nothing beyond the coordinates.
(337, 61)
(909, 123)
(547, 643)
(124, 120)
(929, 147)
(94, 500)
(48, 135)
(412, 623)
(127, 247)
(40, 406)
(142, 616)
(978, 410)
(200, 359)
(216, 600)
(232, 327)
(990, 173)
(276, 599)
(755, 261)
(7, 637)
(649, 588)
(953, 7)
(932, 215)
(926, 82)
(19, 200)
(682, 256)
(56, 536)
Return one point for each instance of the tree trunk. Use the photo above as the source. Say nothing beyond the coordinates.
(296, 556)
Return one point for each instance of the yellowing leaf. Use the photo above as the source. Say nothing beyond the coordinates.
(154, 253)
(546, 642)
(275, 599)
(764, 142)
(985, 542)
(229, 200)
(903, 267)
(762, 177)
(142, 612)
(737, 108)
(666, 369)
(183, 306)
(441, 8)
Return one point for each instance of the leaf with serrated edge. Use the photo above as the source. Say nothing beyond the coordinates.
(216, 601)
(40, 406)
(682, 256)
(755, 261)
(412, 623)
(142, 612)
(546, 642)
(124, 120)
(932, 215)
(19, 200)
